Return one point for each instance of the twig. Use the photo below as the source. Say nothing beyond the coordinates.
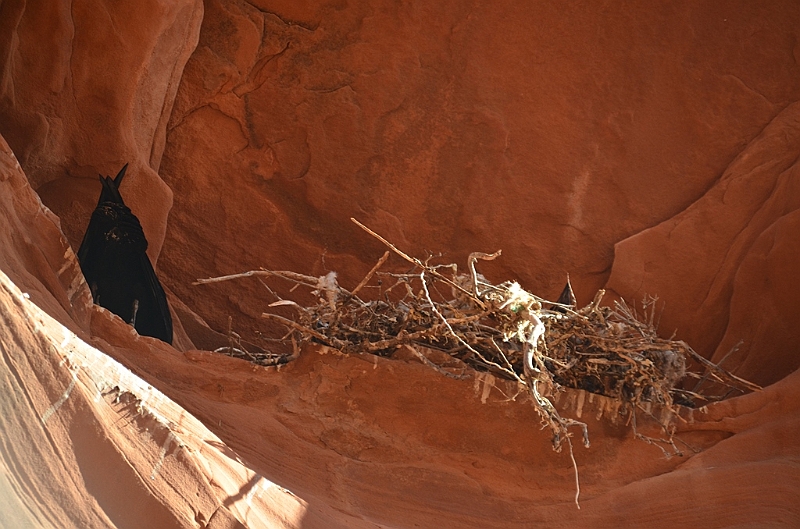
(474, 256)
(729, 353)
(425, 360)
(333, 342)
(232, 276)
(575, 468)
(450, 328)
(420, 264)
(369, 275)
(717, 370)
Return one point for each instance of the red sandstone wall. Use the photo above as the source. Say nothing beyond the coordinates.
(86, 87)
(647, 149)
(572, 137)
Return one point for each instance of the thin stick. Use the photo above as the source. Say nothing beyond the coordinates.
(425, 360)
(449, 328)
(321, 337)
(417, 262)
(232, 276)
(505, 359)
(575, 468)
(371, 273)
(407, 338)
(298, 279)
(715, 368)
(474, 256)
(705, 377)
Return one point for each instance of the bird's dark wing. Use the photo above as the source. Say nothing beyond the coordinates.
(153, 317)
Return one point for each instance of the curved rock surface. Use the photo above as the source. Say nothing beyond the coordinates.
(728, 261)
(650, 150)
(88, 87)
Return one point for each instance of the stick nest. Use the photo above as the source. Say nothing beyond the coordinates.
(503, 329)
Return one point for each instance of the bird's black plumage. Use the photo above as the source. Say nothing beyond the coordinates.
(113, 257)
(566, 299)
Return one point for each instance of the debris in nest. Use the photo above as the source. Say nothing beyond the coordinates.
(236, 348)
(502, 329)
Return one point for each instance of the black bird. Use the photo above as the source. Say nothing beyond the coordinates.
(113, 257)
(566, 299)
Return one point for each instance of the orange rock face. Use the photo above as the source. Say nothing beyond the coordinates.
(550, 134)
(728, 260)
(87, 88)
(650, 150)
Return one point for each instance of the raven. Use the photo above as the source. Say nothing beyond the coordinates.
(566, 299)
(113, 258)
